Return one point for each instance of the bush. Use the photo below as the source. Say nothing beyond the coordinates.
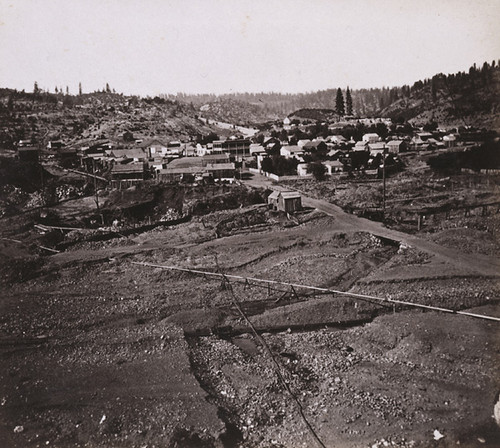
(318, 170)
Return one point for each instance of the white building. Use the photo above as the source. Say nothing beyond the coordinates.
(291, 151)
(371, 138)
(333, 166)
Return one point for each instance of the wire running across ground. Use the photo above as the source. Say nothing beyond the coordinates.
(277, 366)
(248, 280)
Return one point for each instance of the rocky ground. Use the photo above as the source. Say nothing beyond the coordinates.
(99, 351)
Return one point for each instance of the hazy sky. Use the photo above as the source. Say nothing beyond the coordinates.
(215, 46)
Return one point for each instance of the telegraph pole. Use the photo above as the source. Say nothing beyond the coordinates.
(383, 184)
(96, 193)
(95, 186)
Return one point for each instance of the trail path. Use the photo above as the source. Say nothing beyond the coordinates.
(476, 264)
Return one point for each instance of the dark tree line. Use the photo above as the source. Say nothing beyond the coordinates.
(486, 156)
(358, 102)
(279, 165)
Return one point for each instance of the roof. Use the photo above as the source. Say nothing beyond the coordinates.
(394, 143)
(360, 143)
(293, 149)
(95, 155)
(67, 151)
(289, 194)
(313, 144)
(219, 156)
(128, 153)
(274, 195)
(152, 142)
(337, 138)
(220, 166)
(128, 168)
(271, 140)
(371, 134)
(186, 162)
(333, 163)
(185, 170)
(256, 147)
(333, 152)
(379, 146)
(55, 143)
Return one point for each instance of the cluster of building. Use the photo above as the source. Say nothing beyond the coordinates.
(154, 159)
(28, 151)
(336, 152)
(167, 162)
(176, 161)
(173, 161)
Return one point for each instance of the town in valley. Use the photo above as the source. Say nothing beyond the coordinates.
(249, 269)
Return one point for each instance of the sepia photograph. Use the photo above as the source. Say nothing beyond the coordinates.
(249, 223)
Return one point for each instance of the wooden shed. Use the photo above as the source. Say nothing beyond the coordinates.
(285, 201)
(272, 200)
(289, 201)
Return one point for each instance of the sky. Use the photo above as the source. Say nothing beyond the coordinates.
(150, 47)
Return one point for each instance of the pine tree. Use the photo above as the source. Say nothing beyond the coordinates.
(348, 101)
(339, 103)
(79, 88)
(67, 90)
(108, 90)
(434, 88)
(36, 89)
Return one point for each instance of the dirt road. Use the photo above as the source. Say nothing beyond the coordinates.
(99, 352)
(467, 263)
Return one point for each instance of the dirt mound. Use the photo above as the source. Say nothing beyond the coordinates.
(233, 198)
(97, 336)
(27, 176)
(198, 320)
(16, 270)
(241, 220)
(470, 240)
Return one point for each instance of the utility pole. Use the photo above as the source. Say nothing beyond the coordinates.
(95, 186)
(41, 175)
(383, 184)
(96, 193)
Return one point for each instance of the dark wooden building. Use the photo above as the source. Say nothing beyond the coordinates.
(285, 201)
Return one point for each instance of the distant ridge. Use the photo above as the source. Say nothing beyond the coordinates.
(462, 98)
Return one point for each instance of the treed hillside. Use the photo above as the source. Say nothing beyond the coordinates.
(464, 98)
(233, 110)
(460, 98)
(43, 116)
